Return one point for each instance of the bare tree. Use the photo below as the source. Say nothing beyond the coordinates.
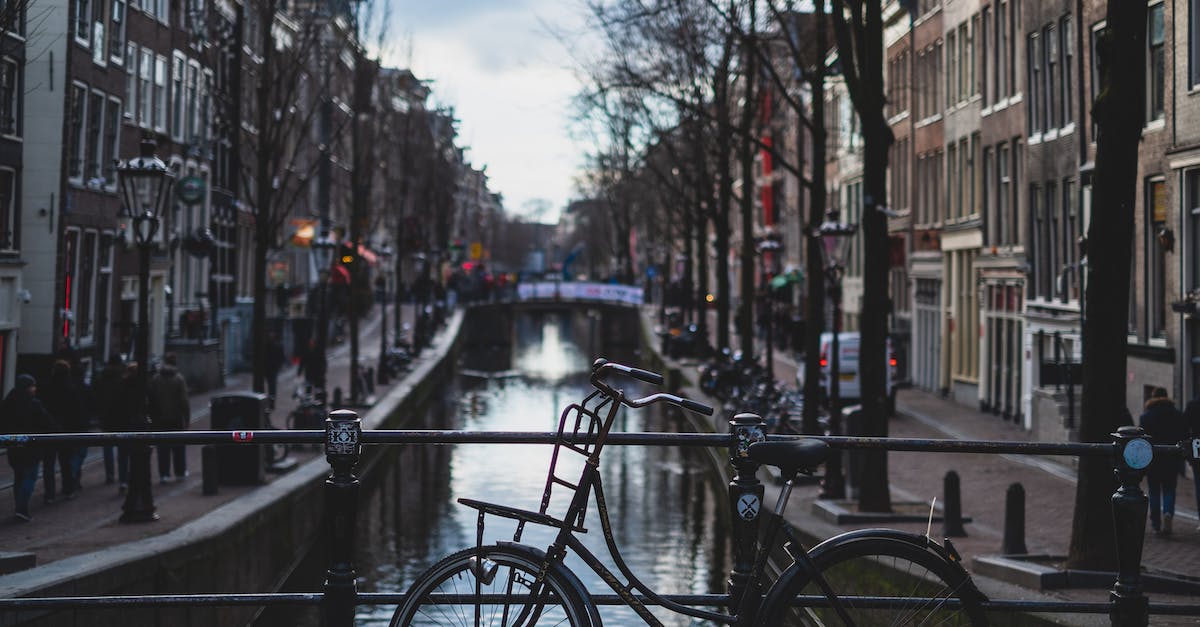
(1118, 111)
(858, 27)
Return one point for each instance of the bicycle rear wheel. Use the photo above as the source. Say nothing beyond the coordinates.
(920, 586)
(509, 594)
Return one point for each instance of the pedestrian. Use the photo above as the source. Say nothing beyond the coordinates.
(1164, 424)
(62, 396)
(129, 414)
(1192, 416)
(273, 363)
(312, 366)
(22, 413)
(170, 411)
(108, 389)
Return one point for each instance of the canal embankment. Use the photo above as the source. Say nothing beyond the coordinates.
(250, 543)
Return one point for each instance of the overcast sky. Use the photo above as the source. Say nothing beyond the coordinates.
(508, 76)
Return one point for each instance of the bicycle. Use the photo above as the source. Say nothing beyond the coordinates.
(915, 579)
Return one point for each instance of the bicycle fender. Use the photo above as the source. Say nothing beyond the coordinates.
(559, 570)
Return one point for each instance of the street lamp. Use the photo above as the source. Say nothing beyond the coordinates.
(145, 190)
(322, 251)
(770, 246)
(833, 236)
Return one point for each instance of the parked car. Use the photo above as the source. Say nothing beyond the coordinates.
(849, 388)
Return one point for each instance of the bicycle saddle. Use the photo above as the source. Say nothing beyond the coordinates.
(790, 456)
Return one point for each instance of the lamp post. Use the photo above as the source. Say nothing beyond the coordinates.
(322, 250)
(769, 250)
(146, 191)
(833, 236)
(385, 266)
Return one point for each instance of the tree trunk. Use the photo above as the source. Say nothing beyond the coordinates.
(263, 211)
(814, 304)
(1119, 112)
(746, 304)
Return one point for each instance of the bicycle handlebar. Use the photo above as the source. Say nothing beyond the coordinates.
(601, 365)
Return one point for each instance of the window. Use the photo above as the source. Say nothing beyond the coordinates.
(1193, 43)
(189, 110)
(1052, 257)
(1001, 51)
(99, 50)
(1070, 236)
(990, 219)
(8, 213)
(116, 32)
(952, 190)
(1033, 58)
(1097, 34)
(75, 131)
(112, 141)
(177, 69)
(1191, 207)
(9, 87)
(1066, 41)
(1003, 194)
(86, 285)
(989, 94)
(93, 149)
(972, 86)
(963, 63)
(973, 177)
(1037, 284)
(160, 94)
(1050, 50)
(1155, 72)
(146, 87)
(71, 256)
(952, 63)
(83, 22)
(131, 99)
(1155, 258)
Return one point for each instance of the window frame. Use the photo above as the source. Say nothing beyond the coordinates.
(112, 141)
(94, 137)
(13, 243)
(1156, 87)
(83, 23)
(76, 129)
(1154, 261)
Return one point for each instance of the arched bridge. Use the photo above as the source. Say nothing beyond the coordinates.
(590, 311)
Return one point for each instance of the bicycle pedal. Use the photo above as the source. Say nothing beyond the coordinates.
(485, 570)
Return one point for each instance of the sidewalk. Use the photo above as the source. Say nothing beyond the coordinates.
(77, 526)
(1049, 491)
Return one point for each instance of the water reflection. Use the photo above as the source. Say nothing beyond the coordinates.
(661, 500)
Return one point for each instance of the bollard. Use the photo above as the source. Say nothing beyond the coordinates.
(1129, 504)
(745, 499)
(343, 446)
(952, 522)
(337, 396)
(209, 472)
(1014, 521)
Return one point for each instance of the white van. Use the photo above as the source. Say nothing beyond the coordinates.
(849, 388)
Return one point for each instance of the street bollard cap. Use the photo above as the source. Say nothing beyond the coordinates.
(746, 428)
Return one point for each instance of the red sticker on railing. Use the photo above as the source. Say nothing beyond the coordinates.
(243, 436)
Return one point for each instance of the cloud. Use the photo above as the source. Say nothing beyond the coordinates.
(507, 76)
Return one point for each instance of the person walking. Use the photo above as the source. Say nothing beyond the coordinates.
(108, 389)
(22, 412)
(273, 364)
(1191, 415)
(129, 413)
(63, 398)
(170, 411)
(313, 366)
(1164, 424)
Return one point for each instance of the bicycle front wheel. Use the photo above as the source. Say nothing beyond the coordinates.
(494, 586)
(879, 581)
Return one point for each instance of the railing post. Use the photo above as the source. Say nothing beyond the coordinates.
(745, 501)
(343, 446)
(1129, 504)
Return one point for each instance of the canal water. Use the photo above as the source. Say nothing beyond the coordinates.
(663, 501)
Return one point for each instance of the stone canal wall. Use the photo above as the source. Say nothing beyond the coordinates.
(248, 545)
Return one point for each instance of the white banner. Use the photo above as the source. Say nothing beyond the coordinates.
(576, 291)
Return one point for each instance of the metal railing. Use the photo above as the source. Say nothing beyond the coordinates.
(343, 439)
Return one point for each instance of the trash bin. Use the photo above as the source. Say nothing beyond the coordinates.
(240, 464)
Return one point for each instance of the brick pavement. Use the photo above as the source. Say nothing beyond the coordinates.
(72, 527)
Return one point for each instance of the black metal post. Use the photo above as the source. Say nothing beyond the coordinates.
(139, 500)
(382, 370)
(1129, 504)
(343, 448)
(833, 486)
(1014, 521)
(952, 520)
(745, 499)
